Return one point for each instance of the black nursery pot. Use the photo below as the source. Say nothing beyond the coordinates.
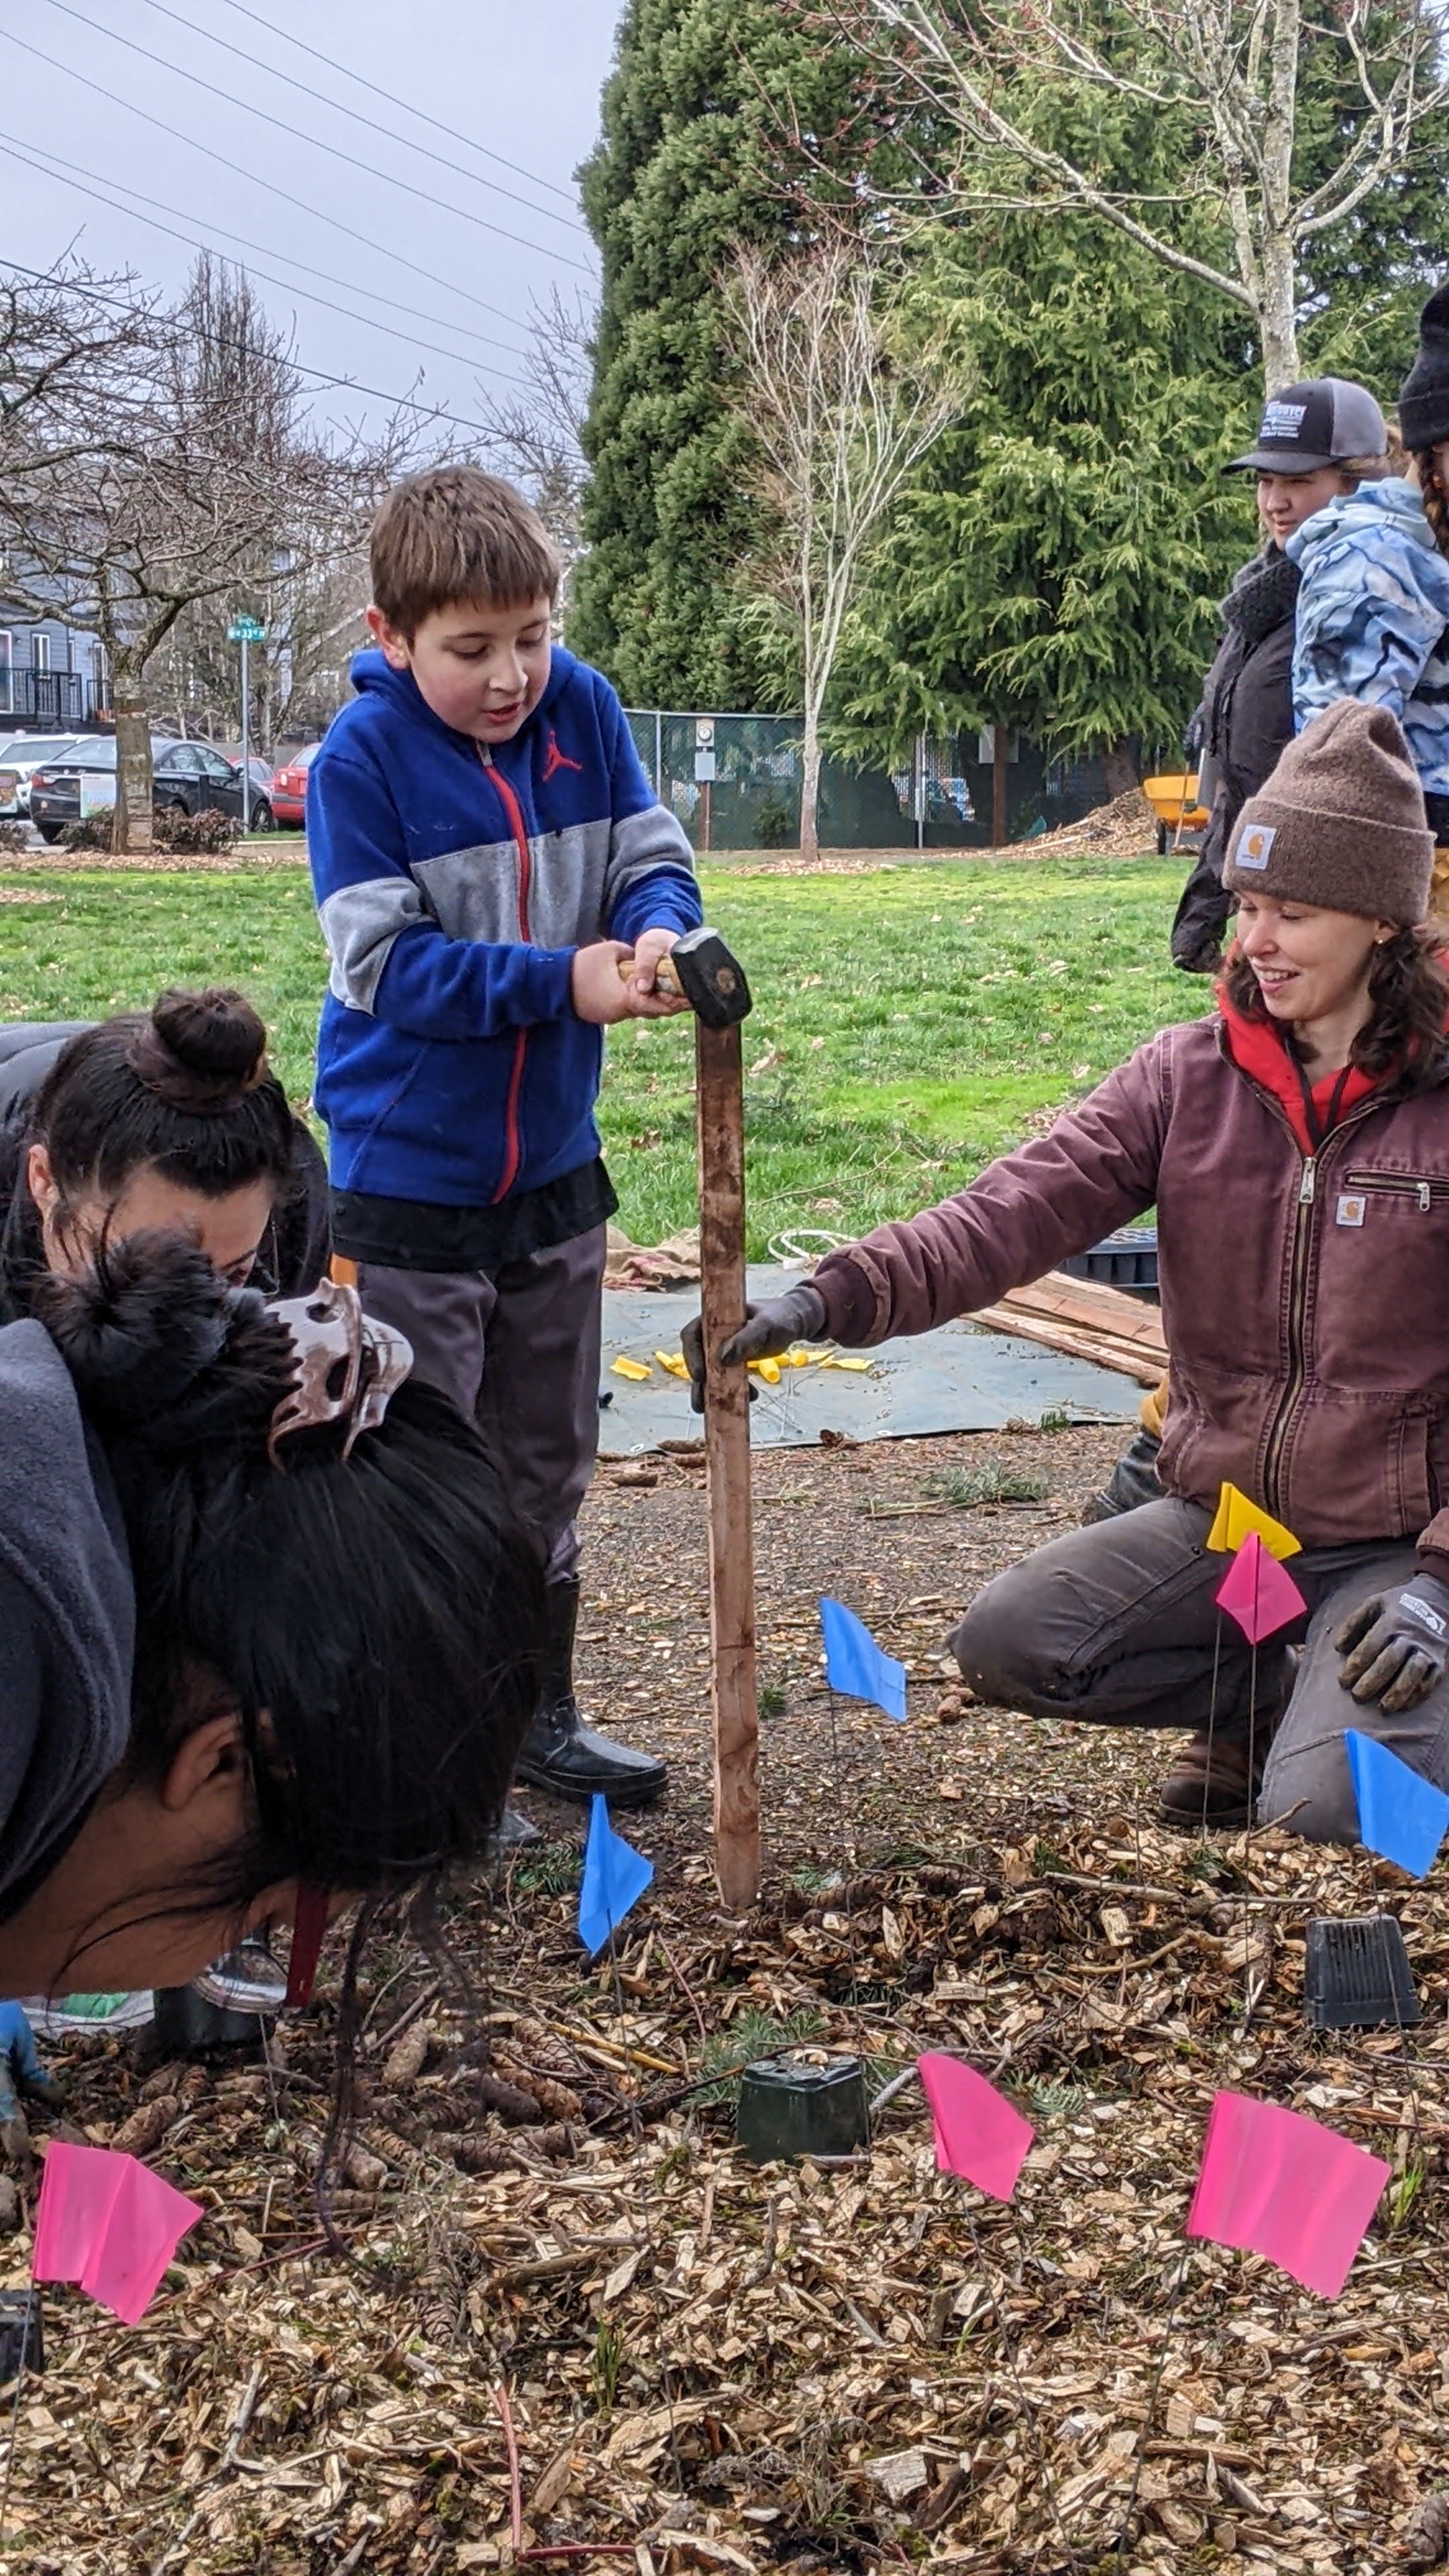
(1357, 1975)
(186, 2024)
(20, 2335)
(789, 2109)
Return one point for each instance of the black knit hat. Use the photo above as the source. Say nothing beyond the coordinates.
(1424, 399)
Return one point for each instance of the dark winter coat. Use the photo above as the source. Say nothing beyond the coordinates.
(1303, 1290)
(67, 1614)
(1247, 721)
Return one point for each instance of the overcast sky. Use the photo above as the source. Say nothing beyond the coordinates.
(519, 81)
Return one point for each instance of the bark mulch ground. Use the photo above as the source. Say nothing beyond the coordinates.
(708, 2365)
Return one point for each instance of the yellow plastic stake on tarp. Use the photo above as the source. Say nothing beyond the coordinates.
(635, 1369)
(1236, 1516)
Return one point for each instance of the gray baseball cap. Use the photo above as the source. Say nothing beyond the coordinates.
(1313, 424)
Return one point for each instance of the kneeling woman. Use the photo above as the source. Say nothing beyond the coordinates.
(1296, 1147)
(236, 1659)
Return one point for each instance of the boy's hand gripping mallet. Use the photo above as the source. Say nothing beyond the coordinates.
(712, 981)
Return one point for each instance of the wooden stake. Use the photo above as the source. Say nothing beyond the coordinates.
(718, 1063)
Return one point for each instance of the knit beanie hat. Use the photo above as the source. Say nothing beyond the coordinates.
(1340, 822)
(1424, 398)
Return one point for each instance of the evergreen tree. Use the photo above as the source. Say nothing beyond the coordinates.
(1058, 566)
(691, 163)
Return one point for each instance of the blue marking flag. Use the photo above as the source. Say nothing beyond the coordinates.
(856, 1666)
(1400, 1815)
(615, 1877)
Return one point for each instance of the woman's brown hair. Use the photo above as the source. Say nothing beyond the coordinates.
(1405, 1033)
(1435, 494)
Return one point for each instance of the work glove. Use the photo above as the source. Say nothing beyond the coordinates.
(768, 1329)
(1396, 1646)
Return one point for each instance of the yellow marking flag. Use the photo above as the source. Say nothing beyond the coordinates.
(1237, 1517)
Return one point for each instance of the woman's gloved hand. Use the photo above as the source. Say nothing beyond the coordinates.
(768, 1329)
(1395, 1647)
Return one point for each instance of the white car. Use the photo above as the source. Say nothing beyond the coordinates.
(19, 756)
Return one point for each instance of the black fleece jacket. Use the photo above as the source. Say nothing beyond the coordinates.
(67, 1614)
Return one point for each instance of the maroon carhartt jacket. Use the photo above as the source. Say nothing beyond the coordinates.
(1305, 1293)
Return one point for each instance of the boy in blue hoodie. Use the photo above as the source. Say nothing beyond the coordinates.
(497, 884)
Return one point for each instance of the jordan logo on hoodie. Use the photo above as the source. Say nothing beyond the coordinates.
(555, 760)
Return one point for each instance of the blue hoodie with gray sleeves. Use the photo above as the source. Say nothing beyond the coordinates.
(454, 883)
(1372, 622)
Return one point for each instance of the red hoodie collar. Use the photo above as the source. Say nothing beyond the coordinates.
(1261, 1049)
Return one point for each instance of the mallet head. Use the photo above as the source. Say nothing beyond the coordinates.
(711, 980)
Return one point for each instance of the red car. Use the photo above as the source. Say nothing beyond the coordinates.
(289, 787)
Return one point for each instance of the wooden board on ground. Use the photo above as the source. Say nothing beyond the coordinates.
(1088, 1320)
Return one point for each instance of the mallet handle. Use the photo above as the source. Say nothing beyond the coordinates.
(664, 976)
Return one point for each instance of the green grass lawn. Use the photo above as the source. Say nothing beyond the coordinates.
(908, 1025)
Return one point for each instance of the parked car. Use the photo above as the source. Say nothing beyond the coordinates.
(189, 777)
(20, 755)
(263, 816)
(288, 790)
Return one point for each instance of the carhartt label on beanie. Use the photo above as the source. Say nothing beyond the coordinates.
(1424, 398)
(1340, 822)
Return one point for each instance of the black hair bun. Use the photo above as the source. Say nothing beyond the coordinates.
(216, 1033)
(162, 1350)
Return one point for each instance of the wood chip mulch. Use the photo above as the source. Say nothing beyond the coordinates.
(576, 2327)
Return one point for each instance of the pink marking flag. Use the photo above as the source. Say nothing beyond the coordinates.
(1258, 1593)
(979, 2134)
(109, 2223)
(1277, 2184)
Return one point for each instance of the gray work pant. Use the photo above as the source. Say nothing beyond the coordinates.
(519, 1351)
(1117, 1625)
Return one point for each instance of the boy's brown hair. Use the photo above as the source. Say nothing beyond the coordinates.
(456, 533)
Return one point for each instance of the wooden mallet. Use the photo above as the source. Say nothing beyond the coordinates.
(701, 968)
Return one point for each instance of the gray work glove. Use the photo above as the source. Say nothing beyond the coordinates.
(768, 1329)
(1396, 1646)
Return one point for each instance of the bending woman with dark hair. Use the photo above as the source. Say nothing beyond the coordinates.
(170, 1117)
(1295, 1144)
(236, 1661)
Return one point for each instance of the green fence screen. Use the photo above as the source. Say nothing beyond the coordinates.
(734, 782)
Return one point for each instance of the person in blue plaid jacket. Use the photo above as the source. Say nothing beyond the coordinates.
(1373, 608)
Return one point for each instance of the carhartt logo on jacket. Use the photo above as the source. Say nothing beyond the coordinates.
(454, 883)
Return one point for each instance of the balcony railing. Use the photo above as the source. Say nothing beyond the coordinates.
(45, 698)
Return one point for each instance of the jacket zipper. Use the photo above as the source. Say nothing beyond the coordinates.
(512, 1145)
(1399, 1185)
(1298, 1274)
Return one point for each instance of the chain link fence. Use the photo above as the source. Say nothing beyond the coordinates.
(734, 782)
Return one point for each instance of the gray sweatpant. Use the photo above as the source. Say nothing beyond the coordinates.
(520, 1352)
(1117, 1625)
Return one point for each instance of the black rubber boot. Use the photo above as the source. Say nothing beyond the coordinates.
(560, 1752)
(516, 1833)
(1133, 1482)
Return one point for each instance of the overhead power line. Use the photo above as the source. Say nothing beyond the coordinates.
(458, 357)
(314, 142)
(345, 384)
(63, 170)
(270, 71)
(289, 36)
(268, 186)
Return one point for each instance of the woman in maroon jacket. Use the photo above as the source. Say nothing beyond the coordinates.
(1296, 1147)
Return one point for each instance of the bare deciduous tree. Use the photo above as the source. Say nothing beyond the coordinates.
(176, 466)
(537, 436)
(841, 409)
(1230, 70)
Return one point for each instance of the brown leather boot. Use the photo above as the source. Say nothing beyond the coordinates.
(1211, 1782)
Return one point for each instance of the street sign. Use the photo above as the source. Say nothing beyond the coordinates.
(246, 630)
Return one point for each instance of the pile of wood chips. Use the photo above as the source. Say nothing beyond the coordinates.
(706, 2365)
